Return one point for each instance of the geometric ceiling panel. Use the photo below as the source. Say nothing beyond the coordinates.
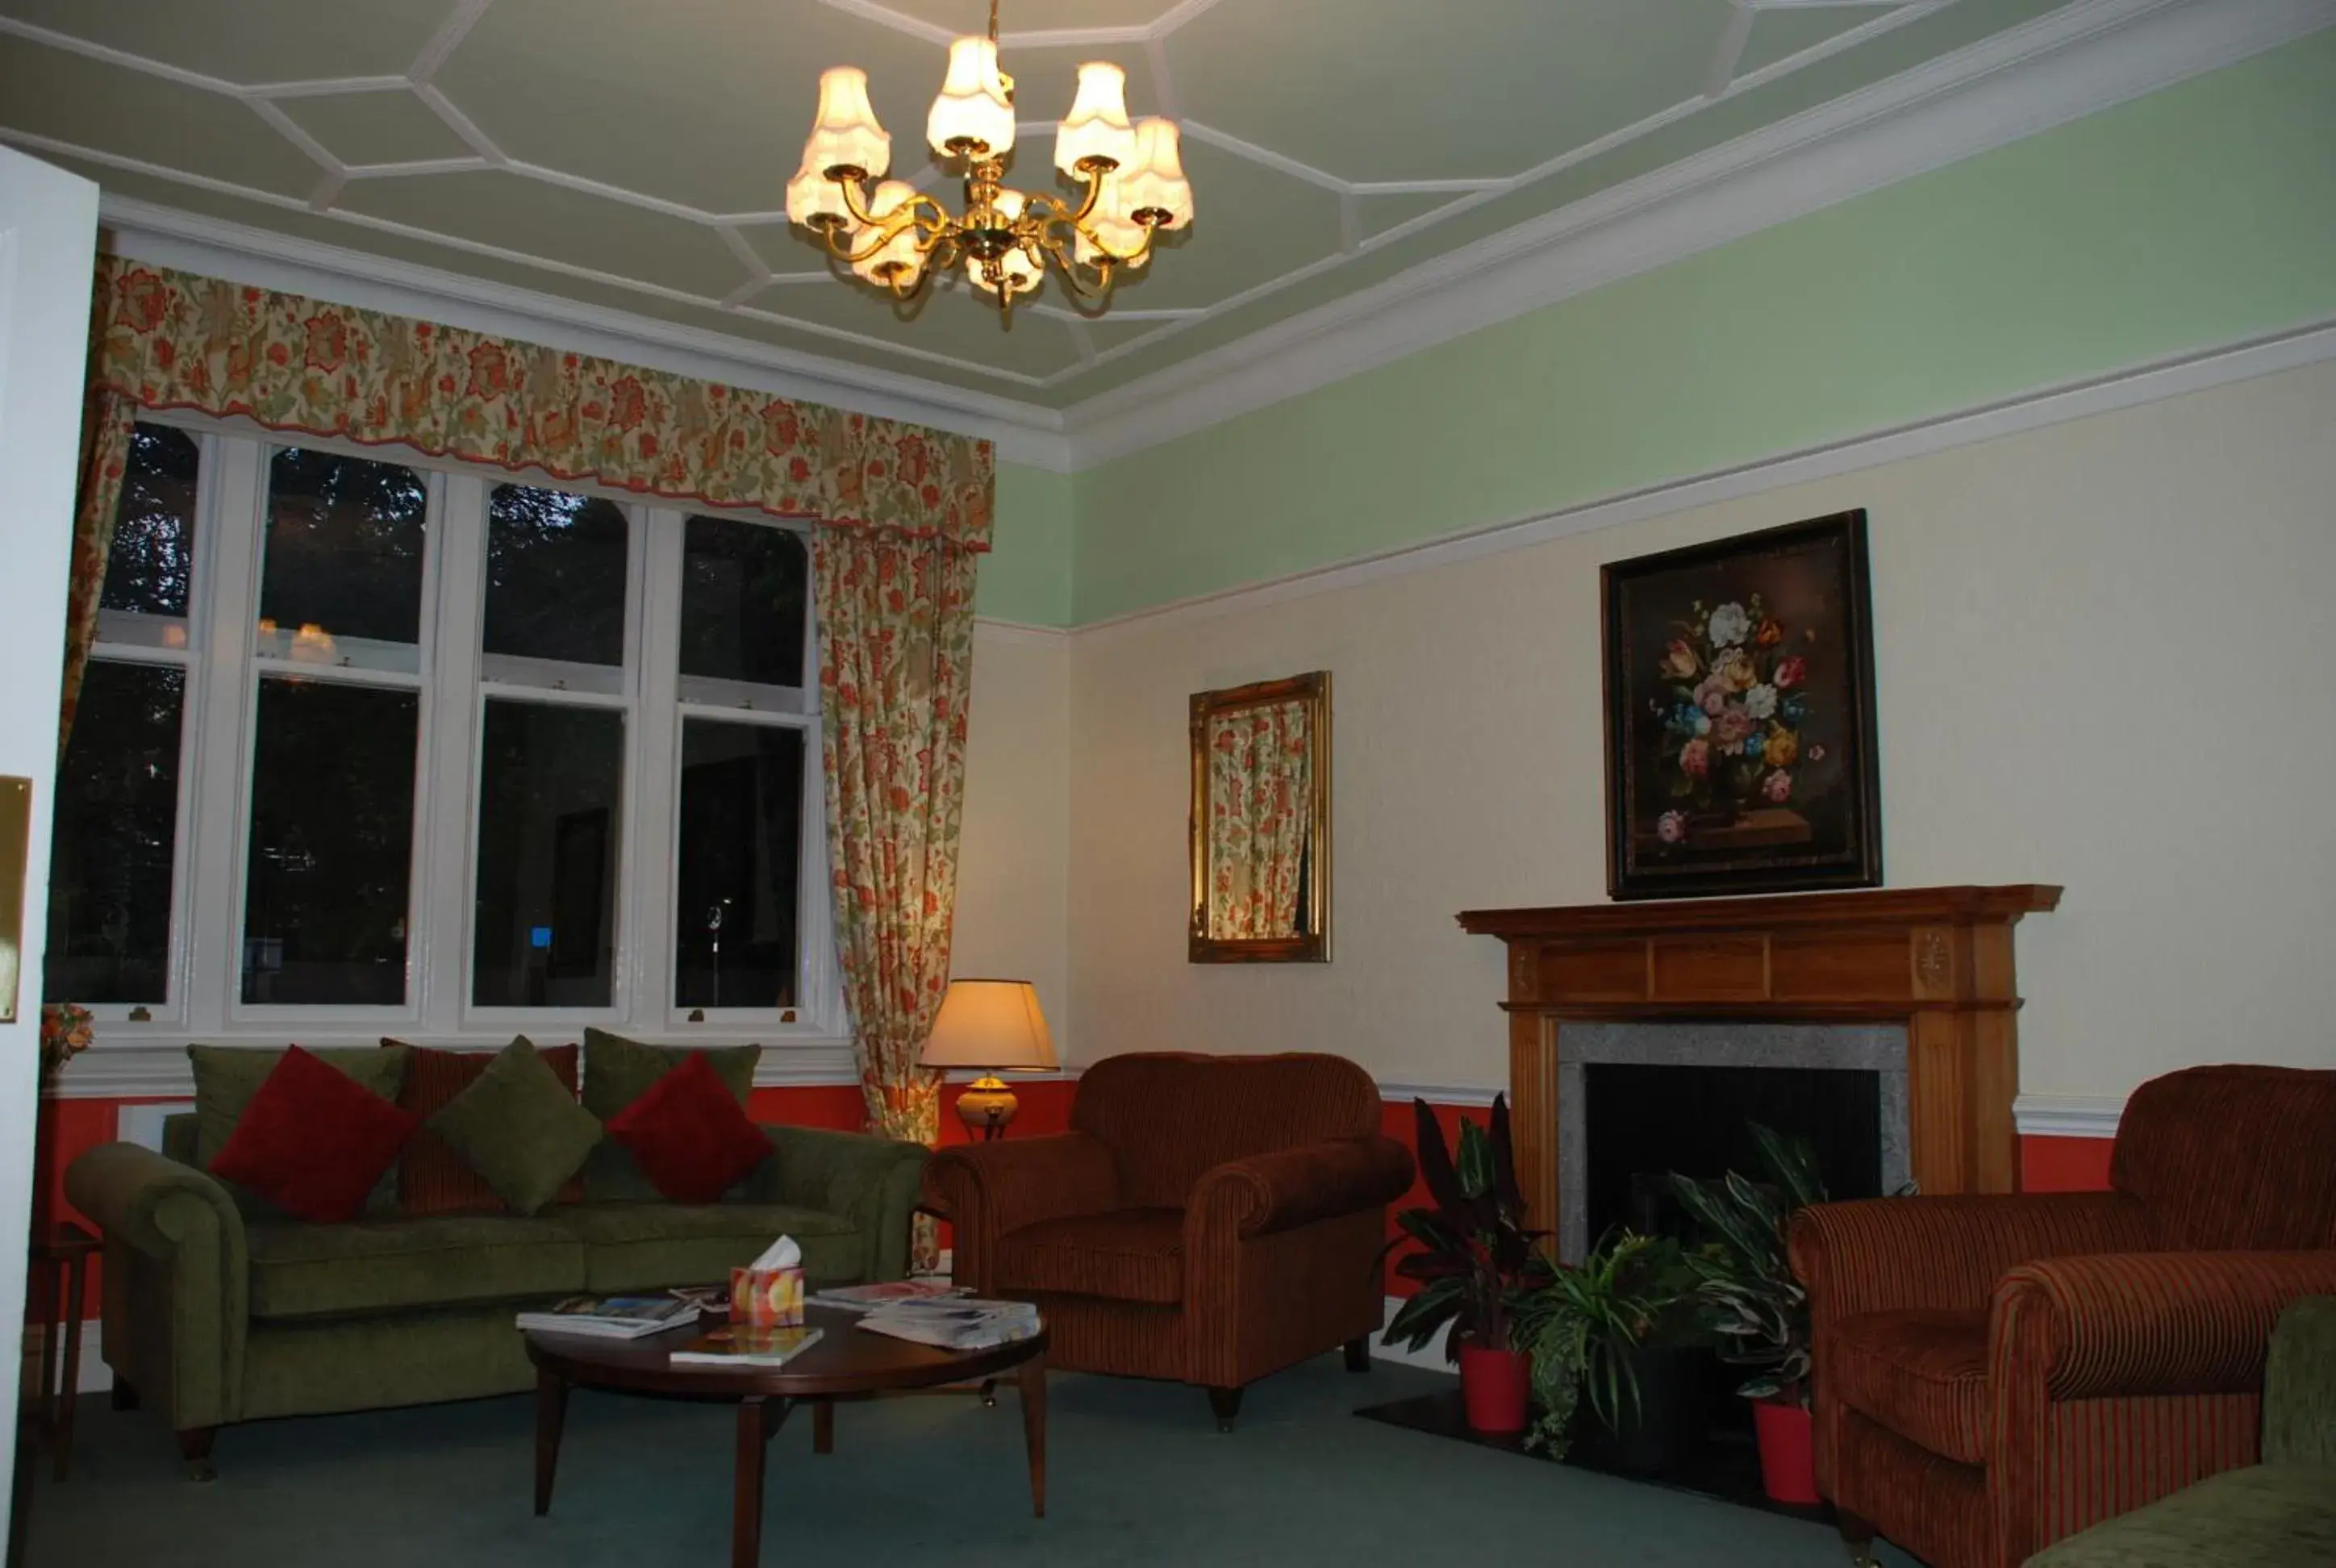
(632, 155)
(391, 127)
(1442, 92)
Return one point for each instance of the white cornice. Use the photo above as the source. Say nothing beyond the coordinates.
(165, 237)
(2072, 62)
(2309, 344)
(2084, 57)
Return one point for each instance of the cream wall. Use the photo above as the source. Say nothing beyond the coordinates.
(2099, 648)
(1014, 863)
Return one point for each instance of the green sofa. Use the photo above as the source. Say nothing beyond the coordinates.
(217, 1317)
(2282, 1511)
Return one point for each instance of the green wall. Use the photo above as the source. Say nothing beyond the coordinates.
(2200, 215)
(1027, 576)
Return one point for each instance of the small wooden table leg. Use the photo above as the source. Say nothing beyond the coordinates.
(52, 1275)
(550, 1415)
(822, 1427)
(69, 1392)
(758, 1417)
(1033, 1380)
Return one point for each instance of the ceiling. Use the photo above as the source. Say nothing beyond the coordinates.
(632, 157)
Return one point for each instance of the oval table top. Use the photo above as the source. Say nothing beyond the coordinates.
(846, 1360)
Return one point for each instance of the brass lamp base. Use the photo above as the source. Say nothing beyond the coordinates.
(986, 1107)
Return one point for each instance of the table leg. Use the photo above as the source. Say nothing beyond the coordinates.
(1033, 1380)
(50, 1272)
(758, 1417)
(550, 1415)
(69, 1392)
(822, 1427)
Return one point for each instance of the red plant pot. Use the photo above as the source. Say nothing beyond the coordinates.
(1788, 1466)
(1496, 1385)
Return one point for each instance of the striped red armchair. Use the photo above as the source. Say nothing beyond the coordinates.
(1207, 1219)
(1993, 1373)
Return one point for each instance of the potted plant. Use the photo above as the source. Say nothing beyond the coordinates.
(1621, 1326)
(1474, 1260)
(1760, 1311)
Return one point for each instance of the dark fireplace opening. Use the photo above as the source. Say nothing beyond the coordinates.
(1647, 1120)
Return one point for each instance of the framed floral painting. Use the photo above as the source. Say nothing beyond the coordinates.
(1739, 715)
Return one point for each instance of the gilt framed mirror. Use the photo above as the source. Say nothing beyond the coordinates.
(1260, 822)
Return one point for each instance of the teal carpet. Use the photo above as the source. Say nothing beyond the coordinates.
(1138, 1474)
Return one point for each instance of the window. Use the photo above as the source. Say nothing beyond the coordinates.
(369, 743)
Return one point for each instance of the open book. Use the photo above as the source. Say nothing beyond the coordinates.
(963, 1323)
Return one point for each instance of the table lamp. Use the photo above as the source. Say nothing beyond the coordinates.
(993, 1025)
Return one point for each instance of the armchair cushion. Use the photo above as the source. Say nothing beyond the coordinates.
(1127, 1254)
(1293, 1187)
(1921, 1372)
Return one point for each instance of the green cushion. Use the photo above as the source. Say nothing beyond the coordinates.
(303, 1271)
(518, 1127)
(228, 1077)
(619, 1071)
(649, 1246)
(2261, 1514)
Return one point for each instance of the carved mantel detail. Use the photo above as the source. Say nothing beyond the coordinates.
(1938, 961)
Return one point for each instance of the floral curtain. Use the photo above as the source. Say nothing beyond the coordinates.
(903, 513)
(1261, 782)
(104, 451)
(896, 639)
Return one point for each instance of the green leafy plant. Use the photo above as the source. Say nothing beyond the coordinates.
(1581, 1324)
(1750, 1297)
(1475, 1253)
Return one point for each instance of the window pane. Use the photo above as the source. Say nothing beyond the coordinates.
(151, 566)
(742, 592)
(344, 540)
(332, 837)
(549, 783)
(555, 576)
(741, 801)
(117, 819)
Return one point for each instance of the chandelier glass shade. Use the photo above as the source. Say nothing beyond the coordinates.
(1130, 177)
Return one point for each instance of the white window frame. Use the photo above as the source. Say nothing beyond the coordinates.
(225, 664)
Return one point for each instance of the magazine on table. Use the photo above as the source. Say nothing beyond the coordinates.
(613, 1317)
(958, 1323)
(740, 1345)
(890, 1293)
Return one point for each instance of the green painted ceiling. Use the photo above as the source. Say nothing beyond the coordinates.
(633, 156)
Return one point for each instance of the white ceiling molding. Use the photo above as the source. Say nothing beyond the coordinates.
(2313, 343)
(2072, 62)
(164, 237)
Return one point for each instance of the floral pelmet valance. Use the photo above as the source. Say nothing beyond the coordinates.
(170, 340)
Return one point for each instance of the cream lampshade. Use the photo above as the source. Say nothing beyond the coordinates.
(993, 1025)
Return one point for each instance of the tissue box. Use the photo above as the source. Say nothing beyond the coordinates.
(767, 1298)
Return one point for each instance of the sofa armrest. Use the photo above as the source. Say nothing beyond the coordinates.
(871, 1181)
(2129, 1325)
(1292, 1187)
(988, 1189)
(2299, 1386)
(187, 1222)
(1880, 1254)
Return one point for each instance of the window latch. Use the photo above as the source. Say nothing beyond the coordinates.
(698, 1015)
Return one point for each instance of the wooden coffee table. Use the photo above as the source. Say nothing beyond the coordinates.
(847, 1361)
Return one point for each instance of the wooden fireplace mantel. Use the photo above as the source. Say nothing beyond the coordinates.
(1938, 961)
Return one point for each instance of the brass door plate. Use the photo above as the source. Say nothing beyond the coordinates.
(16, 843)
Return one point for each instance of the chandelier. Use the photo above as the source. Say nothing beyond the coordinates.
(896, 238)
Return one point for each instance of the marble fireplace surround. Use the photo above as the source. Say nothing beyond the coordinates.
(1877, 1048)
(1927, 969)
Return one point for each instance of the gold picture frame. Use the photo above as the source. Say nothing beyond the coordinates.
(1301, 706)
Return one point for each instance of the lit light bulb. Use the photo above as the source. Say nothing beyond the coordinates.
(1155, 180)
(1097, 126)
(845, 132)
(975, 107)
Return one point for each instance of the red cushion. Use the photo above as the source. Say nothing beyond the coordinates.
(312, 1141)
(691, 1139)
(1921, 1372)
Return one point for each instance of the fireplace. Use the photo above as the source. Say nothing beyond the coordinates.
(1914, 986)
(1637, 1101)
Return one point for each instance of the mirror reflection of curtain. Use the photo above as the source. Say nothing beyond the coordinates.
(1260, 789)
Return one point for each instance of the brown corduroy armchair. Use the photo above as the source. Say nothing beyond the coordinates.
(1209, 1220)
(1994, 1373)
